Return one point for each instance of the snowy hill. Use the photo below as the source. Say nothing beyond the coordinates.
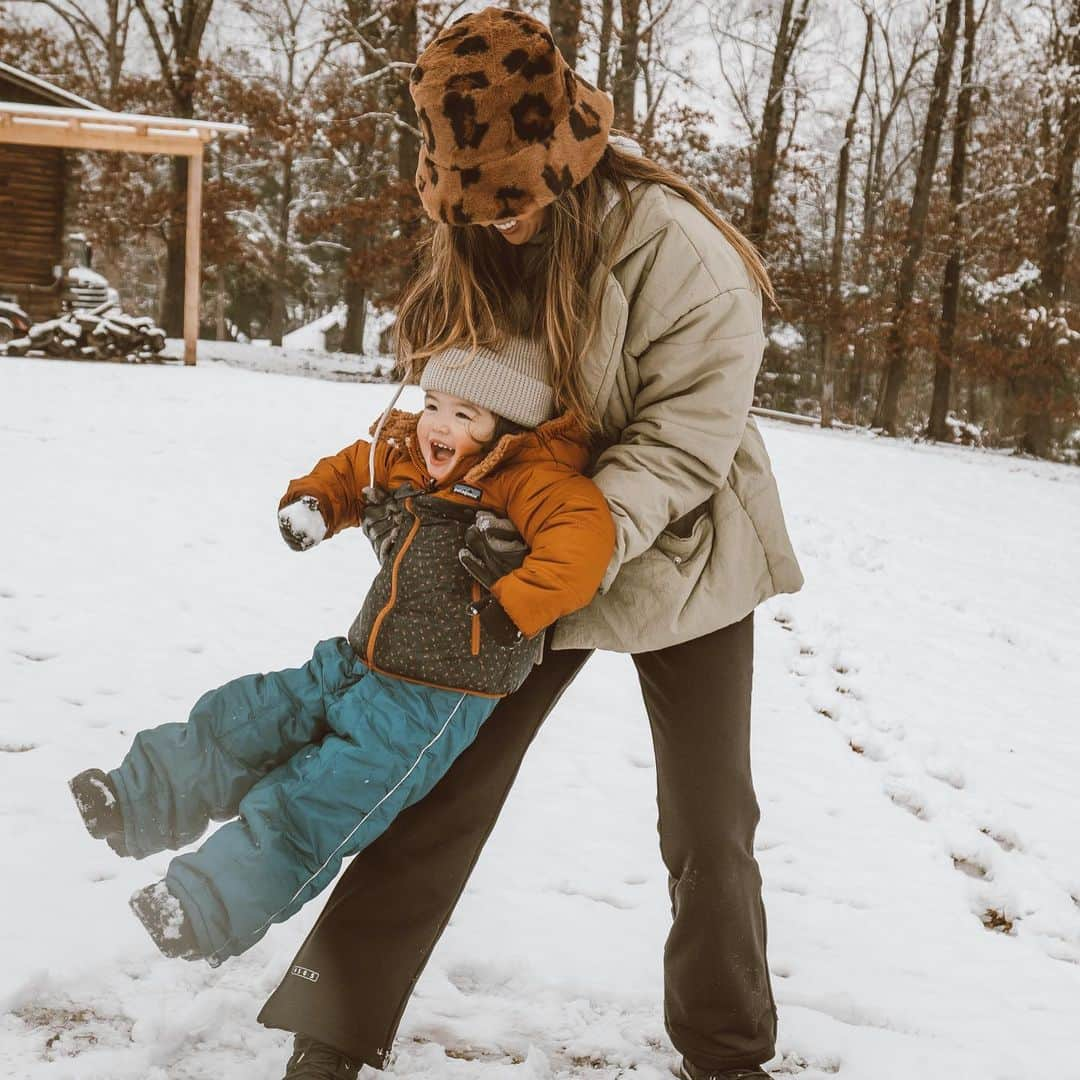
(916, 750)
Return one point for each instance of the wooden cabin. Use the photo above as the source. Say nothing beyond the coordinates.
(38, 186)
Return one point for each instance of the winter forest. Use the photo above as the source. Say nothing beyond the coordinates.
(905, 166)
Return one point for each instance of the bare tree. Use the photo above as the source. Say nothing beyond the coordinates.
(176, 29)
(950, 291)
(742, 53)
(607, 25)
(836, 263)
(888, 100)
(915, 232)
(101, 40)
(794, 17)
(374, 193)
(1036, 387)
(625, 83)
(296, 44)
(564, 17)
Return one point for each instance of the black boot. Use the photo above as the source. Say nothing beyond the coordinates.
(312, 1060)
(96, 799)
(690, 1071)
(165, 921)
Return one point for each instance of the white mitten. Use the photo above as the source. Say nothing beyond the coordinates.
(301, 523)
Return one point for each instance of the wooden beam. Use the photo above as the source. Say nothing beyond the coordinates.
(191, 256)
(79, 138)
(98, 117)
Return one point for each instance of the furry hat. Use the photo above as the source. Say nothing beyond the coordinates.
(507, 125)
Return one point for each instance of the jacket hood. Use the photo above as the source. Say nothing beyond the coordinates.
(561, 439)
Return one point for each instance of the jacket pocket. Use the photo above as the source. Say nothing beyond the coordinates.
(685, 540)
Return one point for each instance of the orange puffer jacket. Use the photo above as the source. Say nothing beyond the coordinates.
(533, 478)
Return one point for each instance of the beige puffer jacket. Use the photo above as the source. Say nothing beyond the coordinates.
(700, 534)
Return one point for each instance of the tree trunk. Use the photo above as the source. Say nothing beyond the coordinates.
(408, 147)
(280, 279)
(1037, 387)
(625, 83)
(886, 416)
(564, 17)
(604, 45)
(352, 340)
(177, 50)
(950, 292)
(220, 332)
(836, 266)
(171, 306)
(794, 16)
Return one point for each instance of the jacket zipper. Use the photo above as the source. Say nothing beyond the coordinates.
(475, 613)
(375, 627)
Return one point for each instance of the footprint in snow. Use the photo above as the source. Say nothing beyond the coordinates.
(948, 772)
(37, 656)
(596, 897)
(909, 799)
(1005, 842)
(68, 1030)
(971, 866)
(873, 749)
(998, 921)
(793, 1064)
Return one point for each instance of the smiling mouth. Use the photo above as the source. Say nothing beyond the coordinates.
(506, 226)
(440, 452)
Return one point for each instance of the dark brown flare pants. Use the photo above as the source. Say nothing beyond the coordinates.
(355, 972)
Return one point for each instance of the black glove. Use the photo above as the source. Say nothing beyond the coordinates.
(383, 516)
(493, 548)
(495, 624)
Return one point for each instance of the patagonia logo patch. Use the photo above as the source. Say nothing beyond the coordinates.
(468, 491)
(306, 973)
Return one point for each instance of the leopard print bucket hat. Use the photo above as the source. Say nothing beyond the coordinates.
(507, 125)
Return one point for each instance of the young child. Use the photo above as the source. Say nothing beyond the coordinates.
(318, 760)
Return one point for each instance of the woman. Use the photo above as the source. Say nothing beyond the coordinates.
(650, 305)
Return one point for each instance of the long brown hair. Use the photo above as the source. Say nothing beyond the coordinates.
(473, 286)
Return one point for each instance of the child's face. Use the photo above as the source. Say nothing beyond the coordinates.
(450, 429)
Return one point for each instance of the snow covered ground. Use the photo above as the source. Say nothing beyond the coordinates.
(917, 743)
(300, 357)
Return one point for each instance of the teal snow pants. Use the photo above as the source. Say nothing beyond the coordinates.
(317, 761)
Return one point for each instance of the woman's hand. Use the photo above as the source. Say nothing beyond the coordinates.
(493, 548)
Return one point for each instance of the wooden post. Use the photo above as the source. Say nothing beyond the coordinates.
(191, 254)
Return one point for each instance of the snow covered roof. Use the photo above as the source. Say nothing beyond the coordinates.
(310, 336)
(98, 129)
(47, 90)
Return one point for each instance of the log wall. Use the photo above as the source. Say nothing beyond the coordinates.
(33, 195)
(32, 184)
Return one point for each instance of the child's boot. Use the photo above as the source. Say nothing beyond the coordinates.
(99, 806)
(165, 921)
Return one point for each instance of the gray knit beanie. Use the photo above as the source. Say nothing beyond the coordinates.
(513, 381)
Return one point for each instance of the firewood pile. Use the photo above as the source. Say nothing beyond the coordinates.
(102, 333)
